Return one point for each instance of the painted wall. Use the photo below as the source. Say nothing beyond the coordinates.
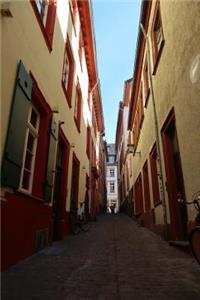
(173, 88)
(22, 39)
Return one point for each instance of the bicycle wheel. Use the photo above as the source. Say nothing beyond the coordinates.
(195, 242)
(85, 226)
(75, 228)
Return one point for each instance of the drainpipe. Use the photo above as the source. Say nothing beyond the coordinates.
(160, 172)
(90, 160)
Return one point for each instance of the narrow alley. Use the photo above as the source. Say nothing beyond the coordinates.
(115, 259)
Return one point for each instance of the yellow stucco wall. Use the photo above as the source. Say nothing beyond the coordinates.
(173, 88)
(22, 39)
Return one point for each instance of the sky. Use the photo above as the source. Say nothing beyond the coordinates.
(116, 29)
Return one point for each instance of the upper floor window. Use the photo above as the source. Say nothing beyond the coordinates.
(94, 123)
(45, 11)
(77, 108)
(42, 6)
(68, 72)
(112, 172)
(157, 36)
(112, 187)
(111, 158)
(88, 139)
(145, 83)
(73, 12)
(80, 49)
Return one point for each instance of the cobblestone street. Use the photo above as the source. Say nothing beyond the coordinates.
(116, 259)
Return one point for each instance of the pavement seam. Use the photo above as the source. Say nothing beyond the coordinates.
(116, 262)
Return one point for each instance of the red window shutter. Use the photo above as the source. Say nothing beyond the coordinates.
(51, 17)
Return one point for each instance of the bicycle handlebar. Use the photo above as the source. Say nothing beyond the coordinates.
(195, 201)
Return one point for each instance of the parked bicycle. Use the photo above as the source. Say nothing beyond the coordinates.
(79, 222)
(194, 236)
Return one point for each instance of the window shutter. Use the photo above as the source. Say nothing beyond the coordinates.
(14, 147)
(51, 19)
(51, 161)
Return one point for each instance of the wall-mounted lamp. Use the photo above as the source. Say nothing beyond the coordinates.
(55, 110)
(61, 123)
(5, 10)
(131, 149)
(72, 145)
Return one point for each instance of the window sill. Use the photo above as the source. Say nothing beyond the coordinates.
(32, 197)
(157, 203)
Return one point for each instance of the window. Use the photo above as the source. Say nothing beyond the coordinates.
(80, 49)
(45, 11)
(138, 196)
(145, 84)
(139, 117)
(112, 187)
(111, 158)
(88, 141)
(73, 11)
(157, 36)
(112, 172)
(77, 108)
(30, 150)
(140, 107)
(42, 6)
(68, 73)
(146, 187)
(94, 123)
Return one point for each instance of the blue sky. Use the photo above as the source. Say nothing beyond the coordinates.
(116, 29)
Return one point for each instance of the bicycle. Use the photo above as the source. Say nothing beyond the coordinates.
(194, 235)
(79, 222)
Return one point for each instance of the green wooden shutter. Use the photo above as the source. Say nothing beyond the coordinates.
(51, 161)
(14, 147)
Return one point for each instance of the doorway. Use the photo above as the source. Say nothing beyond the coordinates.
(74, 184)
(57, 191)
(60, 188)
(175, 182)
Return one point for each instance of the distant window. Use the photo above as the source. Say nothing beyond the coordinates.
(42, 6)
(73, 11)
(146, 84)
(45, 11)
(68, 72)
(111, 158)
(80, 49)
(77, 108)
(112, 172)
(112, 187)
(88, 139)
(157, 36)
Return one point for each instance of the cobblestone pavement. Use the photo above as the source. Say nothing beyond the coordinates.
(116, 259)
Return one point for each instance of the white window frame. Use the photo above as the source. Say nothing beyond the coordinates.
(42, 6)
(35, 133)
(112, 172)
(66, 68)
(112, 187)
